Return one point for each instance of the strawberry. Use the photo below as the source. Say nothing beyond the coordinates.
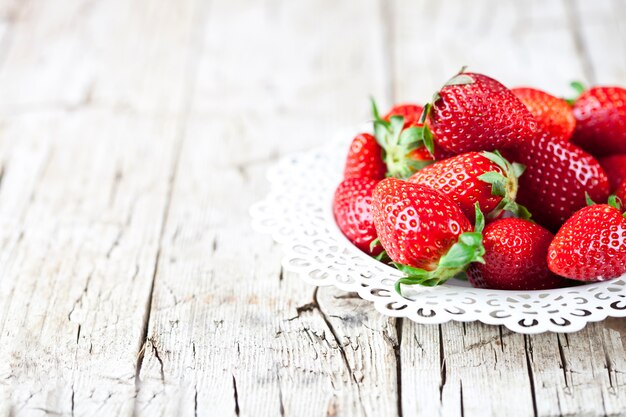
(553, 115)
(615, 168)
(485, 178)
(398, 135)
(557, 176)
(600, 114)
(591, 245)
(515, 257)
(365, 159)
(473, 112)
(424, 232)
(352, 206)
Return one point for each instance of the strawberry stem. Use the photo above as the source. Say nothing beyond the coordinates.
(505, 186)
(398, 143)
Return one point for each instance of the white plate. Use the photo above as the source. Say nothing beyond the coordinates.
(298, 214)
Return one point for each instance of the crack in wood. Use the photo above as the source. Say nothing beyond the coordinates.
(529, 368)
(442, 364)
(115, 243)
(397, 348)
(117, 179)
(2, 172)
(563, 360)
(155, 351)
(347, 296)
(342, 351)
(608, 364)
(236, 395)
(461, 398)
(281, 403)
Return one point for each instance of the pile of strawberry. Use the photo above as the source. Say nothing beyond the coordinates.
(492, 184)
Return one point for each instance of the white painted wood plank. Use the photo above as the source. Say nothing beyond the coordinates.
(601, 30)
(518, 43)
(129, 56)
(78, 275)
(90, 115)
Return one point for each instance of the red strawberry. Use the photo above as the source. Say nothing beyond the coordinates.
(601, 121)
(557, 176)
(473, 112)
(352, 207)
(515, 257)
(591, 245)
(485, 178)
(424, 232)
(365, 159)
(615, 168)
(554, 115)
(398, 135)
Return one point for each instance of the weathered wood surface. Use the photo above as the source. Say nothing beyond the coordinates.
(135, 135)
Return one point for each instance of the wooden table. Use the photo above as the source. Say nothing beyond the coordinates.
(135, 135)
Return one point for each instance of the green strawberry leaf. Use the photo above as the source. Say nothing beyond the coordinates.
(460, 79)
(479, 225)
(375, 110)
(427, 108)
(397, 124)
(428, 140)
(518, 169)
(381, 131)
(383, 257)
(588, 199)
(517, 209)
(615, 202)
(469, 248)
(411, 137)
(412, 272)
(497, 158)
(497, 181)
(578, 87)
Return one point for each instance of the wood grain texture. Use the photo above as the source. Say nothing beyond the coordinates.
(135, 135)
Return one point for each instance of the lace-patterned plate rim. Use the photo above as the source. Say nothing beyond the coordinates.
(298, 214)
